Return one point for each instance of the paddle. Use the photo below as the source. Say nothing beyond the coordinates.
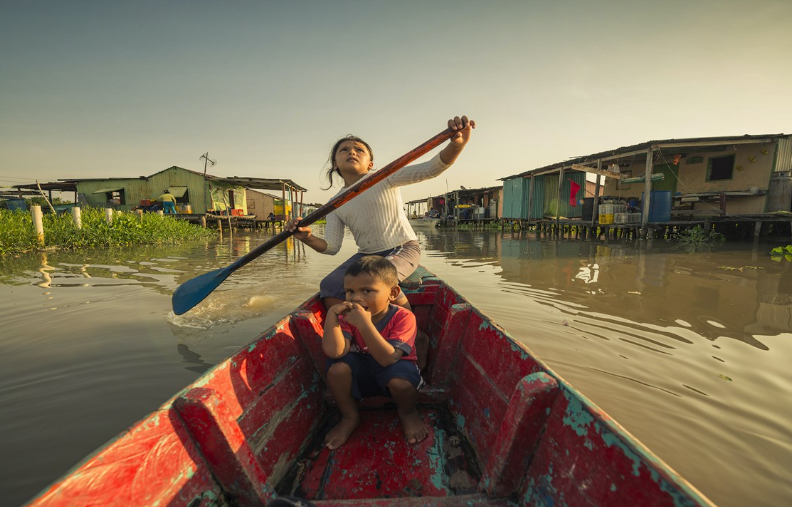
(192, 292)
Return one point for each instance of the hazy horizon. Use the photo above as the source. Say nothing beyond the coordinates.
(96, 89)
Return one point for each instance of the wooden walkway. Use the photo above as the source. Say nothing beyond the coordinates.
(222, 221)
(733, 227)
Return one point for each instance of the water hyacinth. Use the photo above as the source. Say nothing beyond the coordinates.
(17, 234)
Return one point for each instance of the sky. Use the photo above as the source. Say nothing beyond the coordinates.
(92, 89)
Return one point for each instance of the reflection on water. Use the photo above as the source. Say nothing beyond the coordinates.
(193, 358)
(689, 352)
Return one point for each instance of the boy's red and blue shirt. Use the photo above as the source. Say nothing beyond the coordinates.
(398, 327)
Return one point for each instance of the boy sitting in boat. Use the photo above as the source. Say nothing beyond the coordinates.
(370, 343)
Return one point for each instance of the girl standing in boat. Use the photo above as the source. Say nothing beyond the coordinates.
(376, 217)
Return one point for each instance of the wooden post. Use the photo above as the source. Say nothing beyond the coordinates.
(530, 199)
(109, 215)
(203, 221)
(220, 225)
(77, 216)
(595, 211)
(647, 190)
(49, 201)
(38, 223)
(558, 201)
(283, 197)
(291, 202)
(140, 214)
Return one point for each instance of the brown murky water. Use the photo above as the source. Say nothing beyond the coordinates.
(691, 353)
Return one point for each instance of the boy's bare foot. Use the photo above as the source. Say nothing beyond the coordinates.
(340, 432)
(414, 429)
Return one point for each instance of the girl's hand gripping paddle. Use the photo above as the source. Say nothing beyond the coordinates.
(194, 291)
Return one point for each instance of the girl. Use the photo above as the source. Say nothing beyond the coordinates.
(376, 217)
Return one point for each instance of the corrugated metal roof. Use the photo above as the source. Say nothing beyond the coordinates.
(702, 143)
(262, 183)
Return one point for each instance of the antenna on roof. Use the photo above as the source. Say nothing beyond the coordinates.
(207, 160)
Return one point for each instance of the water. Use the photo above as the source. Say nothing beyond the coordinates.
(689, 352)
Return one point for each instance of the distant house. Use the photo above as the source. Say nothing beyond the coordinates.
(463, 203)
(261, 204)
(744, 175)
(476, 203)
(202, 192)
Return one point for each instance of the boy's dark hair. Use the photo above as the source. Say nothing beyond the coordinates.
(376, 266)
(333, 169)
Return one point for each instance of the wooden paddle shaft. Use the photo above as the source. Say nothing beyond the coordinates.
(352, 192)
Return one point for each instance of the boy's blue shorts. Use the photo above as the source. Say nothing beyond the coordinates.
(369, 378)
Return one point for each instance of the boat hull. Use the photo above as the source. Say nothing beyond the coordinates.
(423, 223)
(503, 430)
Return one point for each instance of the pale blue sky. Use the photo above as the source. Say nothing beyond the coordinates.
(128, 88)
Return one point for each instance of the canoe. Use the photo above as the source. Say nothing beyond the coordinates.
(504, 430)
(422, 223)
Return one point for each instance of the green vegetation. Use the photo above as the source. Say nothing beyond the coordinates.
(698, 238)
(782, 252)
(17, 234)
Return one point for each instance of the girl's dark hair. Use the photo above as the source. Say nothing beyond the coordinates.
(331, 160)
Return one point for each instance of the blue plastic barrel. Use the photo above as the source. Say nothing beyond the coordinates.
(660, 207)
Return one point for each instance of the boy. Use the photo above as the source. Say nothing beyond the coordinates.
(370, 343)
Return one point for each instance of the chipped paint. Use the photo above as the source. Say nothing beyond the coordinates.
(577, 417)
(437, 461)
(564, 446)
(610, 440)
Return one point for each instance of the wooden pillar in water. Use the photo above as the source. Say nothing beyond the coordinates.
(558, 202)
(77, 217)
(530, 199)
(595, 210)
(647, 190)
(38, 223)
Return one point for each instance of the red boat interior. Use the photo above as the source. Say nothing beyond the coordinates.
(502, 430)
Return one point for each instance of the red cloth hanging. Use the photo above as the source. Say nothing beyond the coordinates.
(573, 190)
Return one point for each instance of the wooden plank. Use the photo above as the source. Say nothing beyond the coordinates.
(376, 462)
(600, 172)
(520, 434)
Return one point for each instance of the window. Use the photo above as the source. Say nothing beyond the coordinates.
(116, 197)
(624, 186)
(720, 168)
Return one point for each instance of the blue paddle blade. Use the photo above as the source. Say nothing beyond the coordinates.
(192, 292)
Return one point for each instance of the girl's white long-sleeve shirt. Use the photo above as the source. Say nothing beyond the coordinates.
(376, 217)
